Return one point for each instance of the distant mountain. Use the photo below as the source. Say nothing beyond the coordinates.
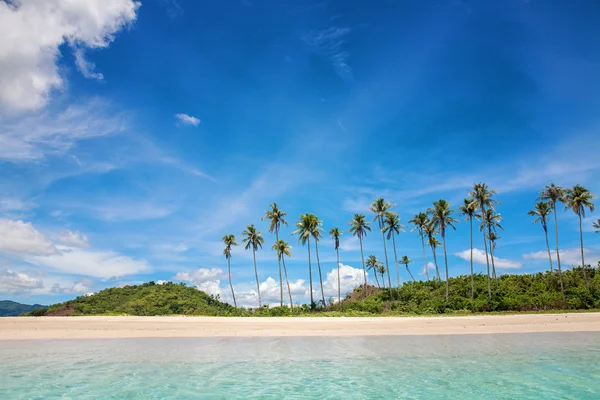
(12, 308)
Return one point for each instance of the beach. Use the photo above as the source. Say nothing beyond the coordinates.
(105, 327)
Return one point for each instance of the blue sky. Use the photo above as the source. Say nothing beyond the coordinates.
(134, 136)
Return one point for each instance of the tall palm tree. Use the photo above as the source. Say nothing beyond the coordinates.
(468, 209)
(433, 243)
(335, 234)
(420, 221)
(304, 232)
(483, 197)
(229, 241)
(373, 264)
(405, 260)
(553, 194)
(379, 207)
(392, 225)
(282, 248)
(315, 231)
(577, 199)
(597, 225)
(359, 228)
(540, 211)
(276, 219)
(381, 269)
(490, 221)
(254, 240)
(441, 217)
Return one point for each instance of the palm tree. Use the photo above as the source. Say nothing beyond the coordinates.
(359, 227)
(468, 209)
(493, 236)
(577, 199)
(304, 232)
(254, 240)
(276, 219)
(420, 221)
(335, 236)
(491, 222)
(315, 231)
(229, 241)
(597, 225)
(381, 269)
(392, 225)
(482, 196)
(433, 243)
(541, 210)
(553, 193)
(379, 207)
(441, 217)
(373, 264)
(405, 260)
(282, 248)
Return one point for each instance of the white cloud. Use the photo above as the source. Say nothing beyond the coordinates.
(350, 244)
(187, 119)
(74, 239)
(80, 286)
(32, 33)
(12, 282)
(100, 264)
(350, 278)
(129, 210)
(479, 258)
(34, 137)
(86, 67)
(22, 238)
(568, 257)
(201, 275)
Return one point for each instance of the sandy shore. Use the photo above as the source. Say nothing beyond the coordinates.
(16, 328)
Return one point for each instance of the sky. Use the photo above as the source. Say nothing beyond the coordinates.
(134, 135)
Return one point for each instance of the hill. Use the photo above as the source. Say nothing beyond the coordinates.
(10, 308)
(146, 299)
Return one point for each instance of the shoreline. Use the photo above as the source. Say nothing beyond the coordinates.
(121, 327)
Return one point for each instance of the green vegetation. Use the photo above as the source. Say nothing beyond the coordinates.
(10, 308)
(539, 292)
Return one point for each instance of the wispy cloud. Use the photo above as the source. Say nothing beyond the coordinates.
(329, 43)
(86, 67)
(185, 119)
(570, 256)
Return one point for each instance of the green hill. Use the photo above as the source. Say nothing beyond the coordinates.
(10, 308)
(146, 299)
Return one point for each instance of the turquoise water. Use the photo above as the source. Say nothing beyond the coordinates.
(523, 366)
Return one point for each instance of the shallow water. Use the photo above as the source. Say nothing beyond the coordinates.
(509, 366)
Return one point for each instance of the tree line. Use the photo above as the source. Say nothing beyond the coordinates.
(479, 207)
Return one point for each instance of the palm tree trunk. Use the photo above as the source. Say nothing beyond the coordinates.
(548, 247)
(447, 281)
(257, 284)
(562, 287)
(337, 251)
(587, 286)
(487, 261)
(410, 273)
(387, 267)
(492, 252)
(230, 284)
(288, 282)
(472, 277)
(310, 275)
(424, 255)
(396, 259)
(376, 278)
(363, 260)
(320, 275)
(279, 265)
(437, 271)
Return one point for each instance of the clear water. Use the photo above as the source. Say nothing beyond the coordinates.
(524, 366)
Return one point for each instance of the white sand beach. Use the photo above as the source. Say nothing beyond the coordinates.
(20, 328)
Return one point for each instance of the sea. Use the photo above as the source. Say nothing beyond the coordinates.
(502, 366)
